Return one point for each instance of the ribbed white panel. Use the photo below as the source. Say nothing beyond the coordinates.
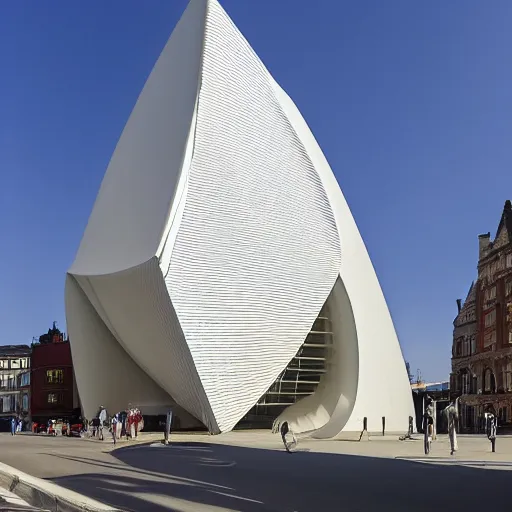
(257, 252)
(142, 319)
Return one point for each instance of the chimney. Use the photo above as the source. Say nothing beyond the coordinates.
(483, 244)
(459, 305)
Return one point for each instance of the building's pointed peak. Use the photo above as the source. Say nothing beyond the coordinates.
(504, 231)
(471, 296)
(468, 302)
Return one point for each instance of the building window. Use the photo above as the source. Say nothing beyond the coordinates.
(465, 383)
(490, 318)
(490, 293)
(25, 379)
(489, 338)
(509, 260)
(508, 287)
(15, 364)
(507, 376)
(54, 398)
(488, 380)
(4, 364)
(473, 344)
(54, 376)
(6, 404)
(24, 402)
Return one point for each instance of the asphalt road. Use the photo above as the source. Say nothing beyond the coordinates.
(200, 475)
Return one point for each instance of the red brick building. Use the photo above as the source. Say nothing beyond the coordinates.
(53, 389)
(482, 338)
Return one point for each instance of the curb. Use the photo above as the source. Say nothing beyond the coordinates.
(47, 495)
(458, 462)
(10, 502)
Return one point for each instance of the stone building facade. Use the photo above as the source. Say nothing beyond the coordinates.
(482, 336)
(14, 384)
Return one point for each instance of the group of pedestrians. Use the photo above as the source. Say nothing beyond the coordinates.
(16, 425)
(98, 423)
(451, 417)
(125, 423)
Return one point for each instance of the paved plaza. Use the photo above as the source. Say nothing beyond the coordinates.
(249, 471)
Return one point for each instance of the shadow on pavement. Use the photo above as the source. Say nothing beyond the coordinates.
(197, 476)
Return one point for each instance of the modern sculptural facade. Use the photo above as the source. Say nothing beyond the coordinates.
(217, 237)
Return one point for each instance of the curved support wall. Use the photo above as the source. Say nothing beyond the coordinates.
(325, 412)
(105, 374)
(380, 356)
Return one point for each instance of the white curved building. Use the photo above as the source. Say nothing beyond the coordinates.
(218, 238)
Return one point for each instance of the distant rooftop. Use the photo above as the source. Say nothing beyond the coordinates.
(14, 350)
(431, 386)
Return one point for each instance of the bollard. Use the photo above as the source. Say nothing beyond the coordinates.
(410, 425)
(365, 427)
(491, 428)
(383, 425)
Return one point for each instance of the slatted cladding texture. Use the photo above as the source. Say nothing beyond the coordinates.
(258, 251)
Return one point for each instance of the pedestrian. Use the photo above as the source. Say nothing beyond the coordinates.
(119, 426)
(102, 417)
(113, 427)
(123, 419)
(492, 427)
(452, 417)
(13, 426)
(168, 424)
(285, 430)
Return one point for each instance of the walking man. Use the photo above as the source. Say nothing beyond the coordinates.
(113, 427)
(429, 417)
(492, 428)
(285, 429)
(452, 416)
(102, 417)
(13, 426)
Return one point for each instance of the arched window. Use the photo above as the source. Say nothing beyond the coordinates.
(465, 382)
(489, 381)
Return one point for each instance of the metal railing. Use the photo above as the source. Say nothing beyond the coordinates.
(302, 375)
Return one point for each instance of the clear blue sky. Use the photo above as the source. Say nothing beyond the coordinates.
(410, 101)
